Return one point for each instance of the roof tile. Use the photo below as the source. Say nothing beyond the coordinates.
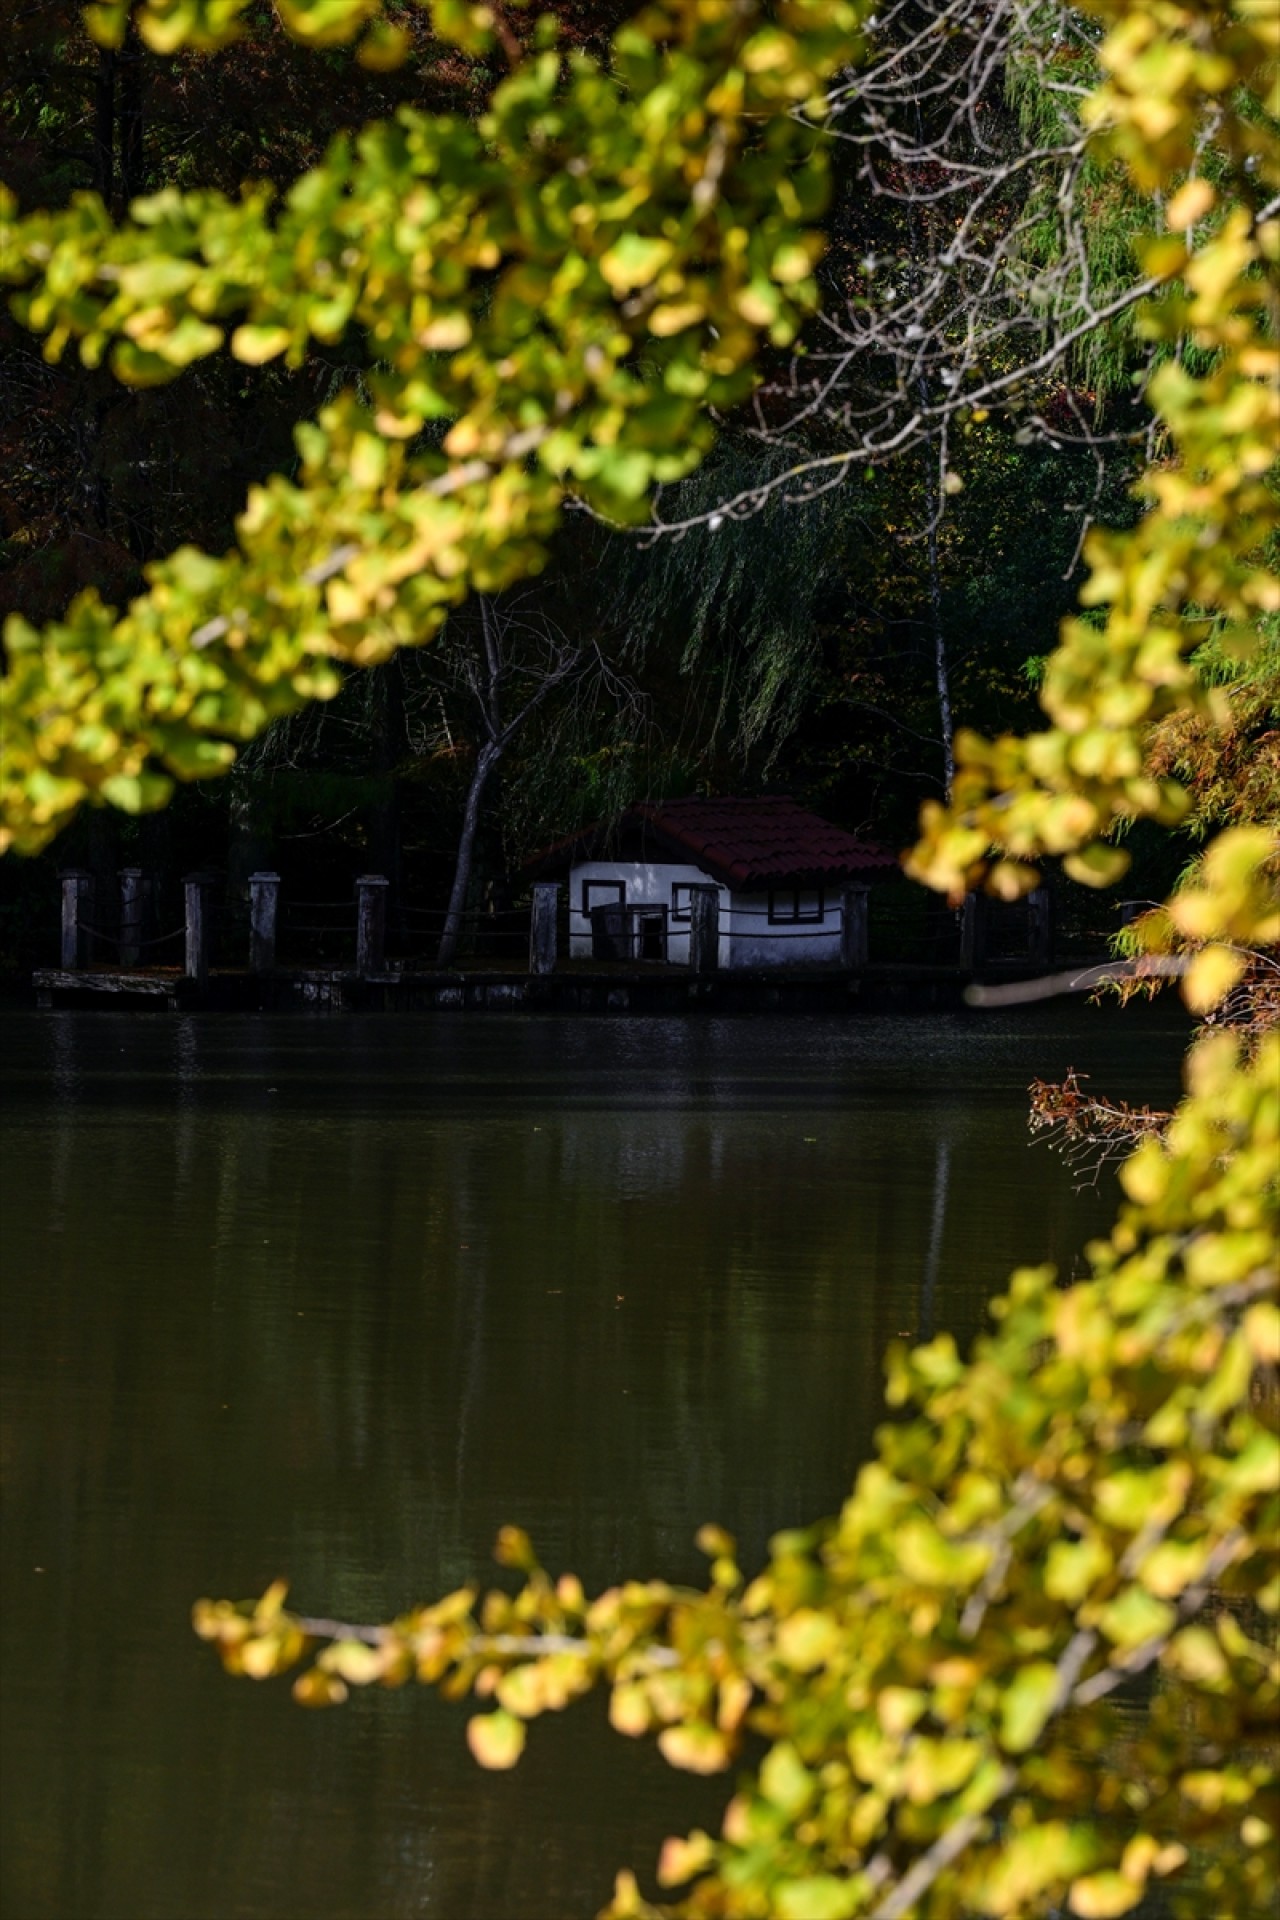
(770, 841)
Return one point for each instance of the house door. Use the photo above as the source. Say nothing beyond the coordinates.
(609, 932)
(650, 935)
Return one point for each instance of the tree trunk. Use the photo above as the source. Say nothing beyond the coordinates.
(942, 675)
(387, 725)
(131, 74)
(118, 124)
(486, 760)
(104, 125)
(923, 243)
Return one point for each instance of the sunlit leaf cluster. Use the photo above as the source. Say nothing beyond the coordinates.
(1202, 558)
(548, 301)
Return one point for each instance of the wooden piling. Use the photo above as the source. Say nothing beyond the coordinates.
(132, 915)
(542, 927)
(371, 923)
(1040, 927)
(855, 934)
(264, 901)
(973, 932)
(195, 888)
(77, 905)
(704, 929)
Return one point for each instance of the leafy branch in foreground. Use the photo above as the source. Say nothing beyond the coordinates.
(1201, 560)
(1093, 1497)
(547, 300)
(1089, 1131)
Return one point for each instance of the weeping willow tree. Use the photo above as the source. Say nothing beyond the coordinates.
(737, 602)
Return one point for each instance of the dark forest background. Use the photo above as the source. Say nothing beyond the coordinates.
(793, 651)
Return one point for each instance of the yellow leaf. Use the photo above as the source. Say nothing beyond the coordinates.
(1210, 977)
(446, 332)
(256, 345)
(496, 1739)
(317, 1689)
(354, 1661)
(680, 1860)
(1262, 1331)
(629, 1711)
(695, 1749)
(898, 1709)
(1097, 865)
(673, 316)
(1190, 203)
(272, 1601)
(807, 1639)
(1101, 1896)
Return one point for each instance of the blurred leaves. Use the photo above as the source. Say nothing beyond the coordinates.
(568, 283)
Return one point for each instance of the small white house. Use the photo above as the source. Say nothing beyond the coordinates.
(780, 872)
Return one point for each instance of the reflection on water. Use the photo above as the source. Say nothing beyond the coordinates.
(337, 1297)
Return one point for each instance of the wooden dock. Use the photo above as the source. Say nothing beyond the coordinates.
(546, 977)
(577, 987)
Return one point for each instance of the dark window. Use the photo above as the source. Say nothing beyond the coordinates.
(603, 893)
(648, 933)
(788, 906)
(682, 901)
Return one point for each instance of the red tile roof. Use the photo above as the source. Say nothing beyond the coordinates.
(745, 844)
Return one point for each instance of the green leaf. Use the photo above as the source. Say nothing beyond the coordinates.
(1074, 1568)
(928, 1556)
(633, 261)
(1026, 1705)
(935, 1768)
(784, 1779)
(1135, 1617)
(818, 1897)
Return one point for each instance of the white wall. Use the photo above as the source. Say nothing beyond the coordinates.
(754, 942)
(648, 883)
(746, 937)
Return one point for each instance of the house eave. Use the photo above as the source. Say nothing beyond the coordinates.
(638, 836)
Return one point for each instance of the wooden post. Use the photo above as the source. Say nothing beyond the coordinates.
(855, 938)
(264, 899)
(542, 927)
(77, 904)
(1040, 927)
(704, 929)
(197, 917)
(132, 914)
(973, 932)
(371, 923)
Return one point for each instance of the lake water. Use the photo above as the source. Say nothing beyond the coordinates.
(335, 1297)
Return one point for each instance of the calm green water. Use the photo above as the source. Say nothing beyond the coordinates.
(334, 1298)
